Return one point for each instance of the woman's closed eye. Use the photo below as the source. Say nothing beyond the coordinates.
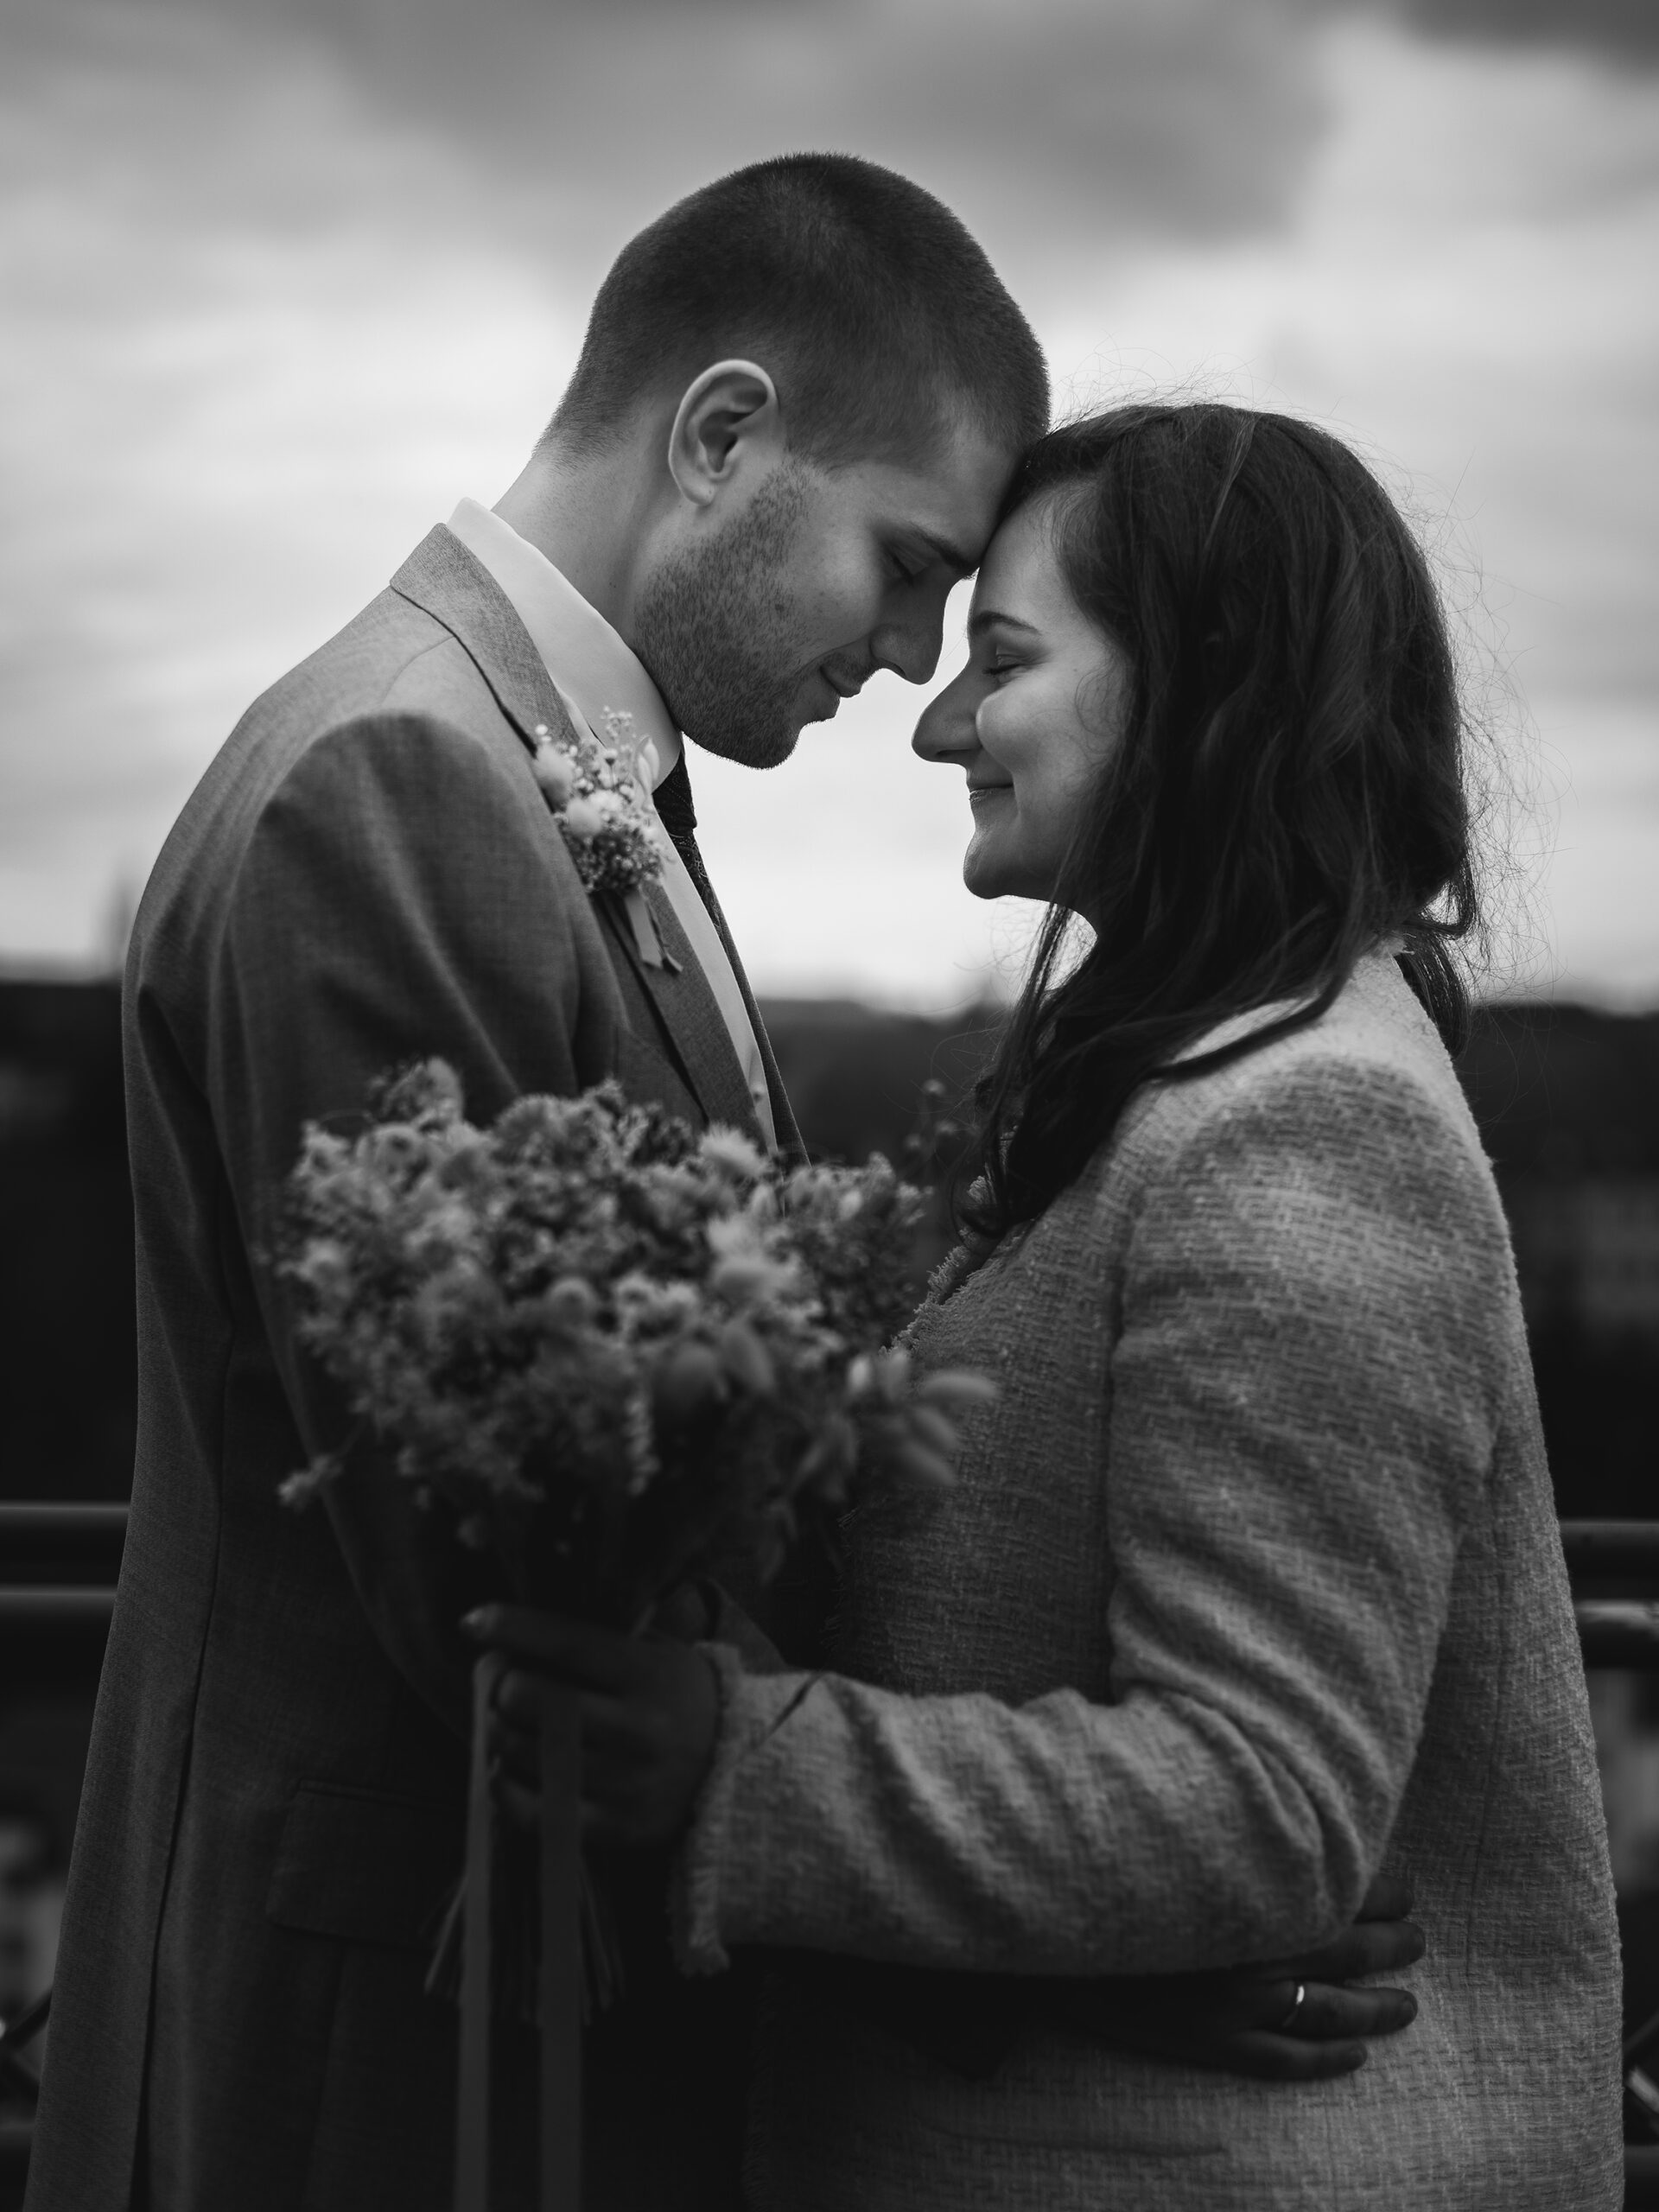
(1000, 647)
(993, 661)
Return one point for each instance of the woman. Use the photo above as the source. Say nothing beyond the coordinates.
(1250, 1587)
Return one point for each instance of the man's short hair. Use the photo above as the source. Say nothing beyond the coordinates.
(876, 314)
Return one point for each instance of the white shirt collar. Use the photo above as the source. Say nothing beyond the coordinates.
(595, 670)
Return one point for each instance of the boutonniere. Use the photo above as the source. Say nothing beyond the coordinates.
(597, 793)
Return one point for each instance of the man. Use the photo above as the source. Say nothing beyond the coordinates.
(800, 399)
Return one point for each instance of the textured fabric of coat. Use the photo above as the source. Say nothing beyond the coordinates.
(272, 1814)
(1249, 1588)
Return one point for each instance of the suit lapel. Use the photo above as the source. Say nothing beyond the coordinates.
(443, 579)
(687, 1009)
(791, 1143)
(675, 804)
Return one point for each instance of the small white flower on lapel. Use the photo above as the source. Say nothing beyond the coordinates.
(596, 794)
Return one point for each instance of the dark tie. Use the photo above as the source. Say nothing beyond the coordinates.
(679, 818)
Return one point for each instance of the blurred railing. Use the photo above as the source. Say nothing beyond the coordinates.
(1614, 1568)
(58, 1569)
(76, 1545)
(1618, 1560)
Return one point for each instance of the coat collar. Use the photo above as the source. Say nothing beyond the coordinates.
(596, 671)
(451, 585)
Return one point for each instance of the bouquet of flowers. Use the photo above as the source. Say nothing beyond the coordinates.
(607, 1341)
(611, 1347)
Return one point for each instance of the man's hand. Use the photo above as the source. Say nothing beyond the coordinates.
(1246, 2019)
(650, 1709)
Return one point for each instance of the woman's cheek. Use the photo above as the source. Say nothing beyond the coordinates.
(1000, 728)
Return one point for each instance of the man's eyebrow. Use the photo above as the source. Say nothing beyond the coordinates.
(952, 556)
(986, 618)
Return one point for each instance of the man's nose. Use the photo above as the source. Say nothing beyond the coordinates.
(946, 730)
(910, 649)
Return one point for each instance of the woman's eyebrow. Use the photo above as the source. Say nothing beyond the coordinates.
(986, 617)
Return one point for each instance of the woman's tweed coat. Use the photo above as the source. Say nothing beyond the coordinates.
(1250, 1586)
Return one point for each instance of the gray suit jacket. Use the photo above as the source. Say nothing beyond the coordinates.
(271, 1815)
(1250, 1587)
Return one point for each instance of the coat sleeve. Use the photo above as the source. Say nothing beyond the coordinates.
(398, 899)
(1302, 1418)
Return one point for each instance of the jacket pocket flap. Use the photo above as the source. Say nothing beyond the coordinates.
(368, 1868)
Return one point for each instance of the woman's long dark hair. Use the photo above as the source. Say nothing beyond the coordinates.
(1288, 788)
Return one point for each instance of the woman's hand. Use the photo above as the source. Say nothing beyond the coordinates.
(649, 1711)
(1247, 2019)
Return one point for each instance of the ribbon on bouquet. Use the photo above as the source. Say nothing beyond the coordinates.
(559, 1885)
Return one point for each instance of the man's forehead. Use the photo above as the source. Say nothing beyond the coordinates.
(947, 501)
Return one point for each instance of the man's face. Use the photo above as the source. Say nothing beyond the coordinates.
(821, 576)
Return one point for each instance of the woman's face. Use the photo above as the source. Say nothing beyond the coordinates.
(1034, 716)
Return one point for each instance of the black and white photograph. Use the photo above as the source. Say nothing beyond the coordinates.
(830, 1106)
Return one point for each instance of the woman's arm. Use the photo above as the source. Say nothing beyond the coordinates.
(1296, 2019)
(1301, 1423)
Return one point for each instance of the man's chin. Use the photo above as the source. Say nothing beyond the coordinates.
(750, 749)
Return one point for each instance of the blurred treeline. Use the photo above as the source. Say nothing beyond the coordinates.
(1567, 1100)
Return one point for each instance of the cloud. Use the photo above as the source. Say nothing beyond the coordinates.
(1622, 30)
(1182, 115)
(282, 284)
(1173, 116)
(1454, 291)
(253, 341)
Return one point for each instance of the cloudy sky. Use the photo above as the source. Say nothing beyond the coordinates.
(282, 281)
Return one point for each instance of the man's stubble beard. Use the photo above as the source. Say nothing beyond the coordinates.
(717, 628)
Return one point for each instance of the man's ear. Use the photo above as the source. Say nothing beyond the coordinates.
(728, 418)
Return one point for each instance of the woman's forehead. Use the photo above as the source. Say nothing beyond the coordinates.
(1020, 575)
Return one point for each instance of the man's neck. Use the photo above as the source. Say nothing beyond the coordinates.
(589, 517)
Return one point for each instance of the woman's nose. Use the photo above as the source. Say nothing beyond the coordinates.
(946, 732)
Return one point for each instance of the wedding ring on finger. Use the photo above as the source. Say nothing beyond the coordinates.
(1288, 2025)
